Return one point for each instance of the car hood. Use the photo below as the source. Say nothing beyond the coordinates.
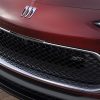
(55, 23)
(91, 4)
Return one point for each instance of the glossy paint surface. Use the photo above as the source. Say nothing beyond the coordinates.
(91, 4)
(55, 22)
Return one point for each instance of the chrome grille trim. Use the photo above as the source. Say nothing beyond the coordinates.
(44, 42)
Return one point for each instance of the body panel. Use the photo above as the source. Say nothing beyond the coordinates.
(57, 24)
(63, 23)
(90, 4)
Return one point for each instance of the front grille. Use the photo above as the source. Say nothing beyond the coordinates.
(52, 62)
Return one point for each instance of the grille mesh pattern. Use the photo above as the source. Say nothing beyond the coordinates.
(52, 61)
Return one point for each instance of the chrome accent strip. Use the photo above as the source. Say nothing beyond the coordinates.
(32, 12)
(44, 42)
(24, 11)
(7, 65)
(97, 23)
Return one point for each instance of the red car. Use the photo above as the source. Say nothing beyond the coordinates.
(50, 49)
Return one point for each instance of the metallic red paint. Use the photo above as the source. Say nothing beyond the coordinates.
(70, 26)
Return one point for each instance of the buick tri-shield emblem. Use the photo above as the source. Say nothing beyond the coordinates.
(29, 10)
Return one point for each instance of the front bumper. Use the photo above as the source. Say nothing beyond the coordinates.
(23, 89)
(27, 89)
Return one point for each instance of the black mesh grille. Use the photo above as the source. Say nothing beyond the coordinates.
(50, 61)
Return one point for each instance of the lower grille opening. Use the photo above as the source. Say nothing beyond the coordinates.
(52, 62)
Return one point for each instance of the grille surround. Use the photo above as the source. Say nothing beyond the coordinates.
(46, 76)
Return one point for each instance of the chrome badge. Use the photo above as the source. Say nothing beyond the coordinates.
(29, 10)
